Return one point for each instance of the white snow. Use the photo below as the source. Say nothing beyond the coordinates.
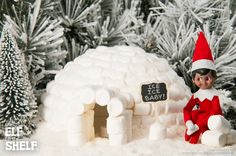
(52, 143)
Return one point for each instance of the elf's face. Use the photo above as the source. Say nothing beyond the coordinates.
(204, 81)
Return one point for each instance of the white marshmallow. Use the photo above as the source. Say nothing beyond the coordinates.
(147, 121)
(69, 66)
(77, 108)
(158, 108)
(218, 123)
(231, 137)
(103, 96)
(83, 61)
(49, 101)
(174, 106)
(138, 68)
(101, 63)
(87, 95)
(142, 109)
(157, 131)
(50, 85)
(54, 122)
(91, 72)
(130, 100)
(176, 92)
(139, 59)
(116, 106)
(128, 114)
(120, 58)
(179, 119)
(117, 139)
(116, 125)
(213, 138)
(77, 124)
(47, 114)
(168, 119)
(114, 74)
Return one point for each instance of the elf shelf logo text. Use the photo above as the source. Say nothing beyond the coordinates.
(18, 145)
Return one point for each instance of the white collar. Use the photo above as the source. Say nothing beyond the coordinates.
(203, 94)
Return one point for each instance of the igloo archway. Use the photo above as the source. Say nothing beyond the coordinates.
(112, 77)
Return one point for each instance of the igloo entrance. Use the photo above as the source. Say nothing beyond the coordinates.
(100, 121)
(102, 113)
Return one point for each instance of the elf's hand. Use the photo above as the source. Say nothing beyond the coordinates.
(191, 128)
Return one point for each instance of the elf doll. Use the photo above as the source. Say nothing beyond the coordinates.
(205, 102)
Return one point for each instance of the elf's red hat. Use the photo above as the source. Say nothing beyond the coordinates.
(202, 57)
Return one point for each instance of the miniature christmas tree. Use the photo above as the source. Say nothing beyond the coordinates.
(17, 101)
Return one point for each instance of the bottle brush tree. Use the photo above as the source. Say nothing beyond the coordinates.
(17, 101)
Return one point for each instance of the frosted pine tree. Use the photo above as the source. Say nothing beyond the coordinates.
(17, 101)
(74, 14)
(90, 23)
(39, 37)
(5, 8)
(115, 19)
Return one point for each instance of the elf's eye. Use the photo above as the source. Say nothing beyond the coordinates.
(207, 79)
(198, 79)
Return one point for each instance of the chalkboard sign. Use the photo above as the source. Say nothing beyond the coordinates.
(154, 92)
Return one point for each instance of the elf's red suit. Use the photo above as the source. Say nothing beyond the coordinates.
(198, 110)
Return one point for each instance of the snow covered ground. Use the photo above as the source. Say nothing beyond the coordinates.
(54, 144)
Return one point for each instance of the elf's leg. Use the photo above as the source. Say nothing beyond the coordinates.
(194, 117)
(186, 136)
(201, 123)
(195, 137)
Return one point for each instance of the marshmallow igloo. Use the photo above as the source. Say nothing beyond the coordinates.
(99, 94)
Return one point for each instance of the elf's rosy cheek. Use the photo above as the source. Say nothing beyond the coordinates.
(198, 83)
